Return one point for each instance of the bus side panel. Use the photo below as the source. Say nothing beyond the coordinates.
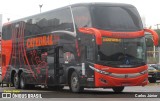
(14, 51)
(6, 56)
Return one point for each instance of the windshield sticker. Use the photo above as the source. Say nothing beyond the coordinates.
(111, 40)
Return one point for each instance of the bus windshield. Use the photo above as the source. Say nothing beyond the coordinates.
(116, 18)
(122, 52)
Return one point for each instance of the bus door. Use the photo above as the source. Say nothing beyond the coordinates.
(58, 65)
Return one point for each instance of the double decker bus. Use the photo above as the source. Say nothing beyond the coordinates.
(88, 45)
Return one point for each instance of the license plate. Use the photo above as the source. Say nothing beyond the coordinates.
(125, 84)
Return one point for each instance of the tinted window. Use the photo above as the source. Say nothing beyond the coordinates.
(6, 32)
(50, 55)
(116, 52)
(50, 21)
(69, 57)
(82, 17)
(116, 18)
(89, 52)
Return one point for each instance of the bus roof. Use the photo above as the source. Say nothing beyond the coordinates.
(102, 3)
(73, 5)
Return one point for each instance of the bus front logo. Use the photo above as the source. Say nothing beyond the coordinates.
(126, 76)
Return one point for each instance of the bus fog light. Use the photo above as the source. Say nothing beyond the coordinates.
(103, 80)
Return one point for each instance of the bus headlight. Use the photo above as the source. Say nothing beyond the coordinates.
(99, 71)
(144, 72)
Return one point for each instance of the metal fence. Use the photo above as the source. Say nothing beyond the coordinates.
(153, 55)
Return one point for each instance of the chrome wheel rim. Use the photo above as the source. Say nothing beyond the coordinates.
(75, 82)
(15, 80)
(22, 83)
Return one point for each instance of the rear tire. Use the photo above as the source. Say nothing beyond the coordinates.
(23, 84)
(16, 81)
(74, 83)
(118, 89)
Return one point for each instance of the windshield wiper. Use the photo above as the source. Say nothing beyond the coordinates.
(112, 62)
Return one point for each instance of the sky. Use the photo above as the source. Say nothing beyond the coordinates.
(15, 9)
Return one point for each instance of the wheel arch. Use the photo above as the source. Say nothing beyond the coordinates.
(70, 70)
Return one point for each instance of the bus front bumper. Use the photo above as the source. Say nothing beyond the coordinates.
(102, 80)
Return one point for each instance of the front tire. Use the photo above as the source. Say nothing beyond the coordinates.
(16, 81)
(74, 83)
(118, 89)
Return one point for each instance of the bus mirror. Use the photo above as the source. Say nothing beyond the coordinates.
(155, 36)
(93, 31)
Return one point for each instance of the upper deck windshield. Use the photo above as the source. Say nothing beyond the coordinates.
(116, 18)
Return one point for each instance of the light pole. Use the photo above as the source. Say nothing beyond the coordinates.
(40, 6)
(157, 26)
(154, 48)
(8, 19)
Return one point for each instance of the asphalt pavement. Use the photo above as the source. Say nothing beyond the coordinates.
(135, 93)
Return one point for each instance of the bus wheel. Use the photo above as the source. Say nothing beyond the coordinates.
(74, 83)
(16, 81)
(22, 81)
(118, 89)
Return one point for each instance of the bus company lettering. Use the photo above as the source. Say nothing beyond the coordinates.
(41, 41)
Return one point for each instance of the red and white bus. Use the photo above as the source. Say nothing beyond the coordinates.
(88, 45)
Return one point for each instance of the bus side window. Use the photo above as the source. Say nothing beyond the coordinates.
(50, 59)
(68, 57)
(50, 56)
(61, 56)
(3, 60)
(82, 17)
(89, 52)
(6, 32)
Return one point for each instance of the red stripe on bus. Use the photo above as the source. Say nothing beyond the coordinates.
(6, 51)
(155, 36)
(99, 33)
(26, 58)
